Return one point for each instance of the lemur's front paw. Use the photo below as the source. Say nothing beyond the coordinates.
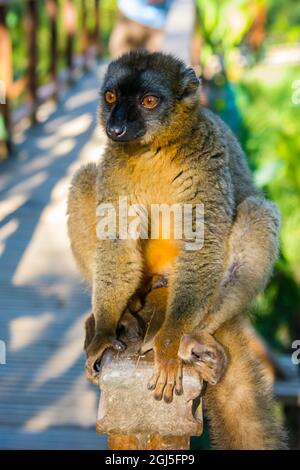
(206, 354)
(95, 352)
(167, 374)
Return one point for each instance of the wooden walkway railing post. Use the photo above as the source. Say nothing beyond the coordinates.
(97, 36)
(52, 9)
(85, 34)
(28, 84)
(32, 25)
(132, 418)
(70, 23)
(6, 77)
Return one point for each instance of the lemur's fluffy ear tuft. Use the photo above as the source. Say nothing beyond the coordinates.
(189, 82)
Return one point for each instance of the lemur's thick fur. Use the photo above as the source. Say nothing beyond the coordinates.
(238, 400)
(181, 154)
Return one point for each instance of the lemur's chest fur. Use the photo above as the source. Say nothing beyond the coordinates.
(159, 177)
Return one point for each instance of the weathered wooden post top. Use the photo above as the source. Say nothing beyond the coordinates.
(131, 416)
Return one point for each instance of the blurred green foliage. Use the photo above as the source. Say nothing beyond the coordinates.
(283, 21)
(267, 101)
(223, 25)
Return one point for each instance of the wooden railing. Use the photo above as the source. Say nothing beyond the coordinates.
(27, 86)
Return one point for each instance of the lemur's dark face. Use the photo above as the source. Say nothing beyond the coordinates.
(140, 92)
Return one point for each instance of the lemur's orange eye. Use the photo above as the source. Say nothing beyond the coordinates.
(110, 97)
(149, 101)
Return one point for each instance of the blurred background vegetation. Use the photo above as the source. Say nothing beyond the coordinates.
(15, 22)
(250, 63)
(257, 92)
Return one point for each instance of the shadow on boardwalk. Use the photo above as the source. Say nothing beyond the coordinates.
(45, 401)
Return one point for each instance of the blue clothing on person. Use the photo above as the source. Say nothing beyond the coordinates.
(149, 14)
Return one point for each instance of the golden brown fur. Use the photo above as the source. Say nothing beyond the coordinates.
(243, 393)
(187, 155)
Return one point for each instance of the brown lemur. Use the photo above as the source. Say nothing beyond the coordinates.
(164, 148)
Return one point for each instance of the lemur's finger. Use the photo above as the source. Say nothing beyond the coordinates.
(160, 385)
(168, 393)
(178, 383)
(153, 381)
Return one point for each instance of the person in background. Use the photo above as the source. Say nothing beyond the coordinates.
(140, 25)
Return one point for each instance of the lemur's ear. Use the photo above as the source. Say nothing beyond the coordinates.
(189, 82)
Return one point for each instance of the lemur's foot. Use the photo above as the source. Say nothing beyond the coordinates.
(135, 304)
(89, 330)
(131, 327)
(95, 352)
(206, 354)
(167, 374)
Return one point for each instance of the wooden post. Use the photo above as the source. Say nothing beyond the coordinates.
(70, 23)
(155, 442)
(6, 77)
(128, 412)
(85, 33)
(132, 418)
(52, 12)
(32, 25)
(84, 26)
(97, 31)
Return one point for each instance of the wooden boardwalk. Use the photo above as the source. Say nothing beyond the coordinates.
(45, 401)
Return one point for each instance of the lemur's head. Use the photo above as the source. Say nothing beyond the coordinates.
(144, 94)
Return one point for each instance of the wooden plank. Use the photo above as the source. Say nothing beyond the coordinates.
(288, 392)
(286, 367)
(57, 438)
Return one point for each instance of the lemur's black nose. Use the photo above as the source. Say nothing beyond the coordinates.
(115, 132)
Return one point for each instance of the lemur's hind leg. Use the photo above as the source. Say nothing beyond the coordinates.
(130, 329)
(240, 406)
(131, 326)
(252, 252)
